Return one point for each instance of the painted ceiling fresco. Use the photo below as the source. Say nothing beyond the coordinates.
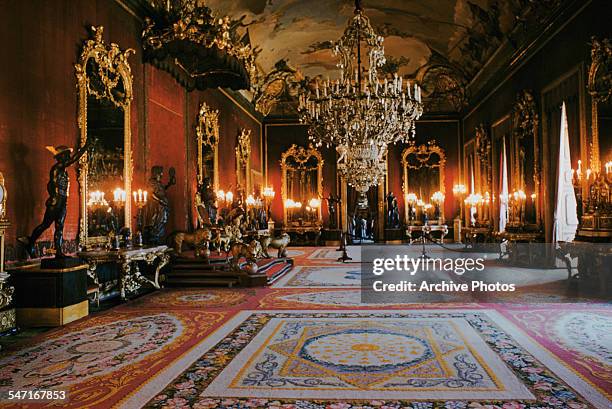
(442, 43)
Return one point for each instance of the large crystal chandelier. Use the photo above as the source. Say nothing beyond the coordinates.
(360, 114)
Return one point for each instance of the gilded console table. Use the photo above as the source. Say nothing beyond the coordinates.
(130, 277)
(426, 230)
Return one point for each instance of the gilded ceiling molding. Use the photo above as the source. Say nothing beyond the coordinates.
(281, 85)
(444, 85)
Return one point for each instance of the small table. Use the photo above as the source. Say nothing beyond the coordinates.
(427, 230)
(130, 277)
(473, 235)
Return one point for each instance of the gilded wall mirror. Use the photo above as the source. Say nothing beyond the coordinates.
(600, 89)
(104, 82)
(302, 185)
(484, 168)
(525, 159)
(207, 133)
(243, 161)
(2, 200)
(423, 171)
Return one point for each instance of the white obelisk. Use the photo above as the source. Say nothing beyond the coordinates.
(503, 196)
(566, 216)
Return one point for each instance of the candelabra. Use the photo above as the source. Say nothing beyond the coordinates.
(459, 192)
(595, 204)
(269, 194)
(411, 200)
(438, 202)
(472, 201)
(140, 200)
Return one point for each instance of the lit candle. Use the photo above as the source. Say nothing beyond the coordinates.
(145, 196)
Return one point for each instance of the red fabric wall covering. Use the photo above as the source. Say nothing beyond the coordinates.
(38, 104)
(166, 139)
(38, 107)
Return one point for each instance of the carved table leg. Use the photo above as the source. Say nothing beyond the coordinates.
(124, 277)
(91, 272)
(164, 259)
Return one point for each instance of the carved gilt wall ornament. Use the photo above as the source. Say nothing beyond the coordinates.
(243, 147)
(600, 72)
(207, 133)
(243, 160)
(103, 71)
(484, 152)
(103, 78)
(429, 155)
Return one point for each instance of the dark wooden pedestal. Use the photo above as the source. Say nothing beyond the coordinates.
(50, 297)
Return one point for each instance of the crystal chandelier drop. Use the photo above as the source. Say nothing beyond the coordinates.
(360, 114)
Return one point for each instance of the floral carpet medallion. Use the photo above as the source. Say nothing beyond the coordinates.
(581, 337)
(99, 361)
(321, 276)
(415, 360)
(208, 298)
(95, 351)
(327, 254)
(346, 298)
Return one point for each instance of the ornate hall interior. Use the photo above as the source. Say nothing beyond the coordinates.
(306, 204)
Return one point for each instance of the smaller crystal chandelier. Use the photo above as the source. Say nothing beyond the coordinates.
(361, 114)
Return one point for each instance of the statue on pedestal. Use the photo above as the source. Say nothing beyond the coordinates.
(58, 188)
(332, 208)
(206, 206)
(392, 212)
(159, 207)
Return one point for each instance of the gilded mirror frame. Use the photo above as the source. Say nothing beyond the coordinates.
(600, 89)
(113, 66)
(422, 153)
(243, 160)
(525, 124)
(301, 155)
(207, 135)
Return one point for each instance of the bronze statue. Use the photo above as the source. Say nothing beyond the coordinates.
(332, 208)
(392, 212)
(58, 189)
(206, 206)
(159, 206)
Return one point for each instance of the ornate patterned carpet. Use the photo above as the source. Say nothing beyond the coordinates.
(309, 342)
